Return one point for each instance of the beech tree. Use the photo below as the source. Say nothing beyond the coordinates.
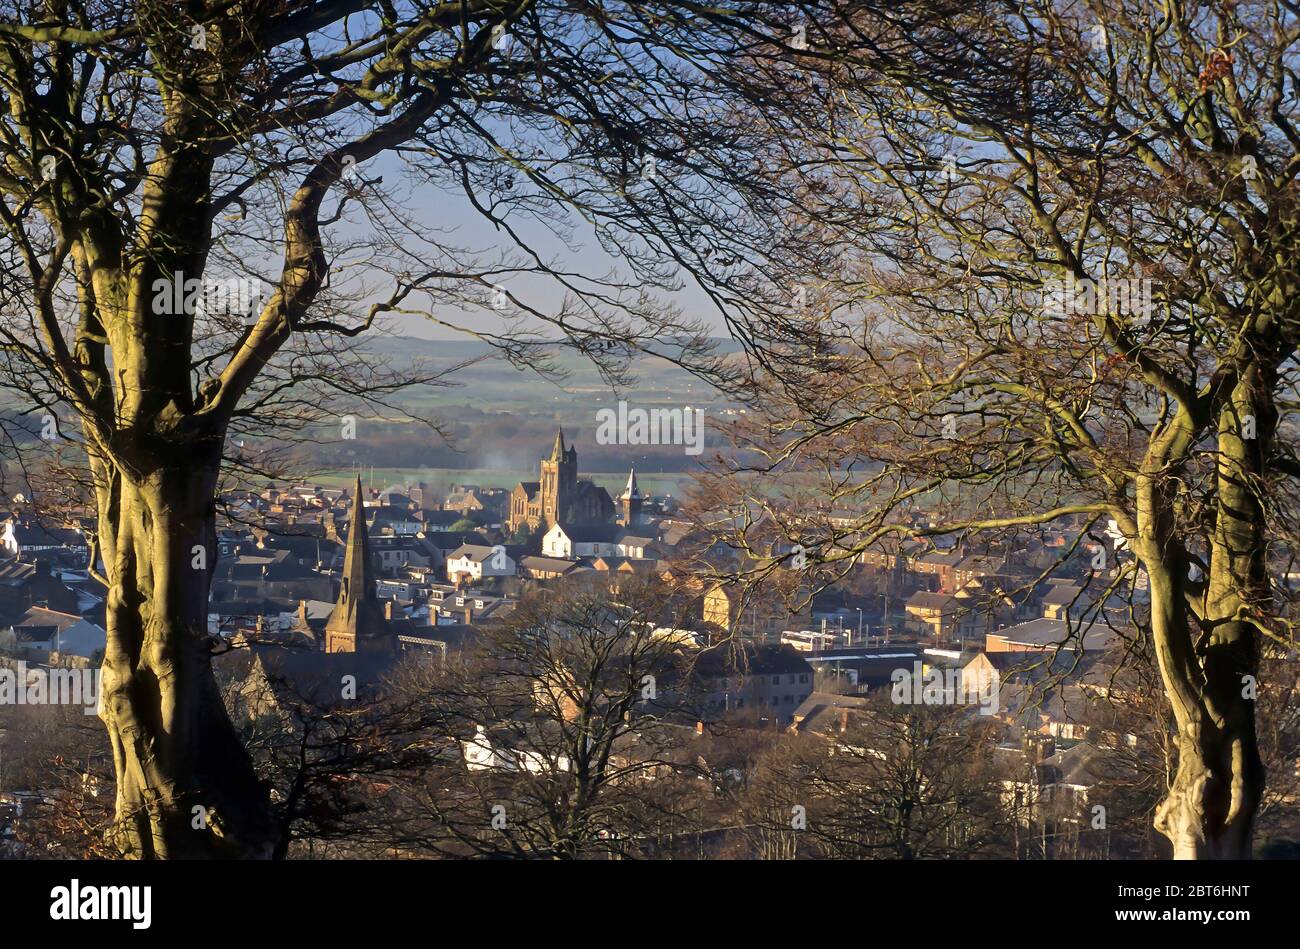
(908, 783)
(160, 163)
(563, 744)
(1055, 281)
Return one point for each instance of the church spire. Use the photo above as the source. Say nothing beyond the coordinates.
(356, 558)
(557, 450)
(631, 492)
(357, 623)
(630, 500)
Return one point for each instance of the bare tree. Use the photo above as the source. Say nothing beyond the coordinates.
(159, 164)
(570, 741)
(58, 756)
(1053, 282)
(900, 782)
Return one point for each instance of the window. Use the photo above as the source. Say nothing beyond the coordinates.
(803, 678)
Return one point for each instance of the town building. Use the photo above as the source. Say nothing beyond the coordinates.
(559, 497)
(357, 623)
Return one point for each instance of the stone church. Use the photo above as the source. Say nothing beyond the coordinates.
(559, 497)
(357, 623)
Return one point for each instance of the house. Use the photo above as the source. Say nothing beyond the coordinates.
(937, 565)
(391, 520)
(891, 554)
(306, 543)
(466, 502)
(989, 570)
(511, 748)
(826, 713)
(981, 671)
(932, 614)
(268, 574)
(1044, 634)
(476, 562)
(618, 570)
(231, 542)
(468, 607)
(434, 520)
(310, 618)
(636, 546)
(67, 634)
(769, 681)
(269, 617)
(1065, 599)
(567, 541)
(393, 553)
(24, 537)
(24, 584)
(549, 568)
(760, 615)
(448, 542)
(980, 609)
(1053, 791)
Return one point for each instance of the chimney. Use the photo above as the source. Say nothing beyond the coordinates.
(699, 729)
(388, 610)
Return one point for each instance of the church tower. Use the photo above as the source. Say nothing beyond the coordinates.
(630, 501)
(559, 481)
(357, 622)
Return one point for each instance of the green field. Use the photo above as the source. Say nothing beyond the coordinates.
(673, 483)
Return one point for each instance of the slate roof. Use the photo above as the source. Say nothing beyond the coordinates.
(316, 678)
(729, 659)
(591, 533)
(549, 564)
(1052, 632)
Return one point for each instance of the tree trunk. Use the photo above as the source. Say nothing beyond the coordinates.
(1208, 812)
(1209, 809)
(186, 787)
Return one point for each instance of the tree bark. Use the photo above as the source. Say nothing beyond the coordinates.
(186, 786)
(1209, 809)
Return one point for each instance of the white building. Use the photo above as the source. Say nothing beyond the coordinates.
(569, 541)
(481, 754)
(477, 561)
(49, 631)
